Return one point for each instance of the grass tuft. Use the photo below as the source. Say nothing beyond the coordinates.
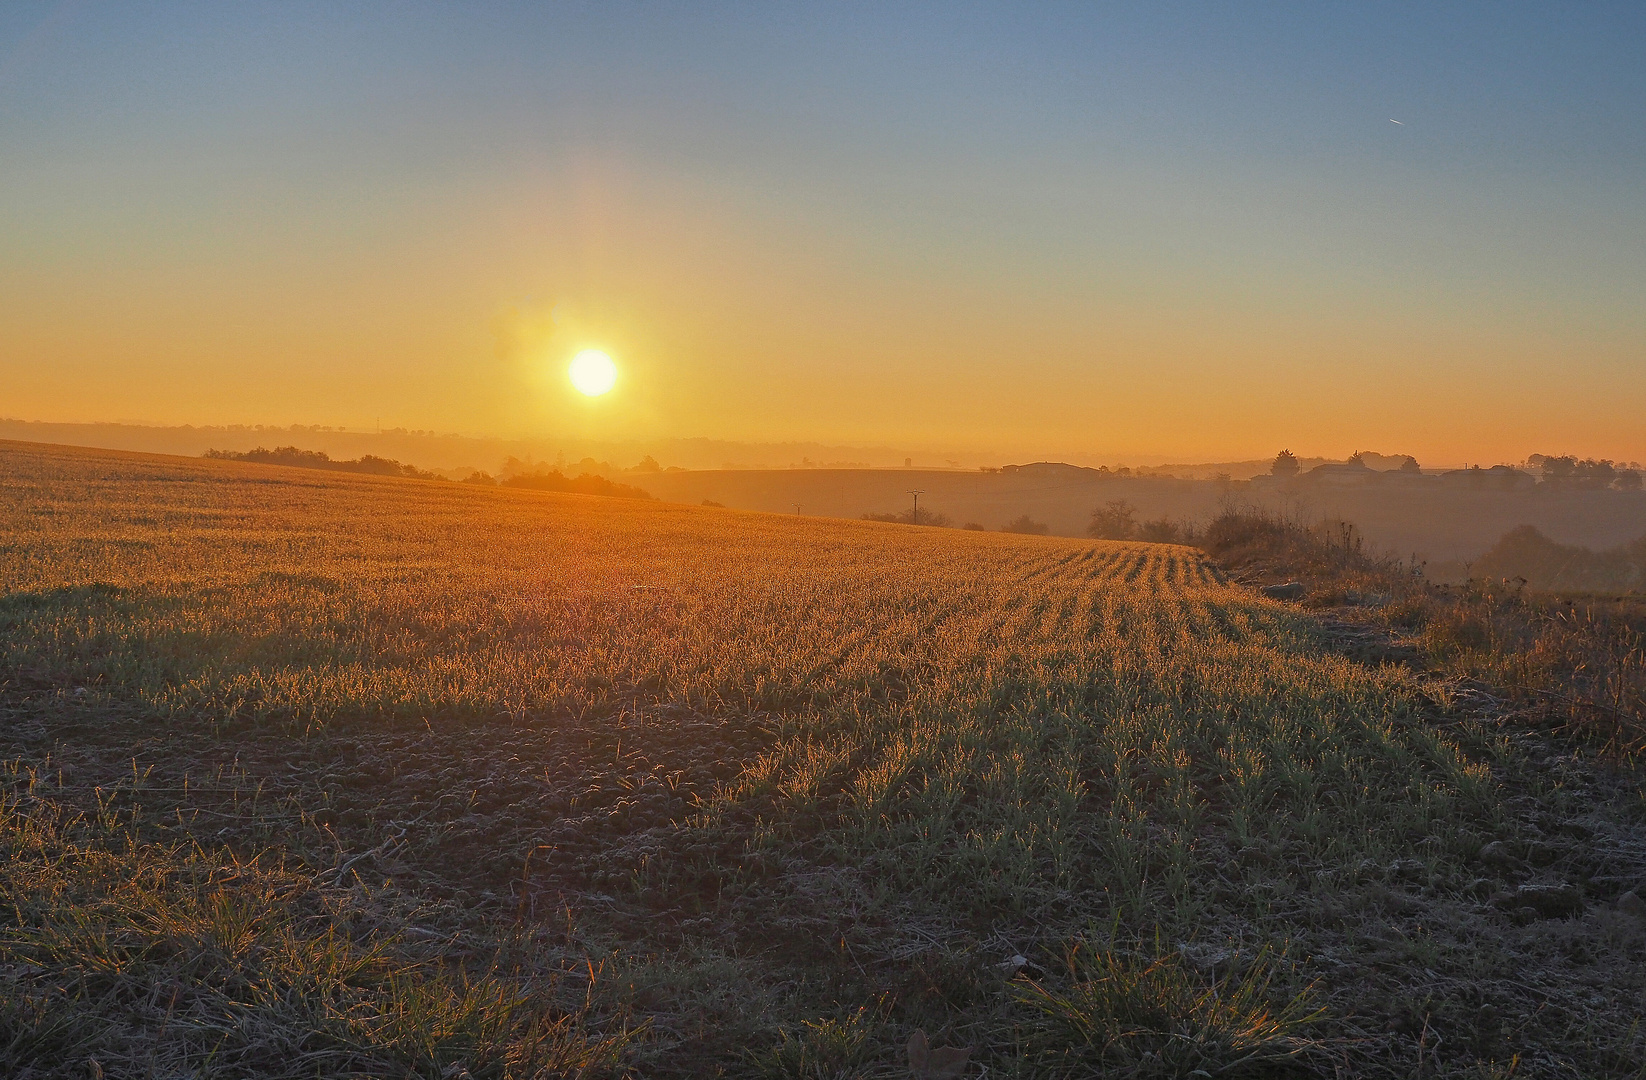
(846, 1047)
(1148, 1012)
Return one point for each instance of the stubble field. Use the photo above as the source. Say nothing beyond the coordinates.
(321, 775)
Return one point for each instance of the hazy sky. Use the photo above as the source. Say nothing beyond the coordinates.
(1188, 231)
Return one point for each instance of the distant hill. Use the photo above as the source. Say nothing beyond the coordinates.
(1439, 520)
(539, 480)
(455, 456)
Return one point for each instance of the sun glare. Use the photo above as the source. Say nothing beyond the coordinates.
(593, 372)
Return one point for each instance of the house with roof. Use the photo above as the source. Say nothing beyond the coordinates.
(1496, 478)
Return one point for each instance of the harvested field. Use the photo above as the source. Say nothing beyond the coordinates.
(320, 774)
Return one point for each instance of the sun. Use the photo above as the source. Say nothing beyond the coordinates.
(593, 372)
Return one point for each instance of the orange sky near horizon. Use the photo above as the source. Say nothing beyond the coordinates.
(870, 252)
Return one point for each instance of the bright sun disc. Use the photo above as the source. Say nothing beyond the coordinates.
(593, 372)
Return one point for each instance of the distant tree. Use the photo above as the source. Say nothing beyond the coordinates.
(1569, 471)
(972, 526)
(1026, 525)
(1285, 464)
(1599, 474)
(382, 466)
(1357, 458)
(280, 455)
(648, 464)
(316, 459)
(586, 484)
(1114, 520)
(479, 478)
(1627, 480)
(711, 502)
(1410, 465)
(1555, 470)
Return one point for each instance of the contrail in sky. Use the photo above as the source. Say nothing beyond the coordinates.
(1394, 121)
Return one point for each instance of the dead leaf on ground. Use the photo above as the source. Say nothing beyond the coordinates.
(929, 1062)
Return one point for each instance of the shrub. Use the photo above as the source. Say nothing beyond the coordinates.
(1164, 530)
(1330, 549)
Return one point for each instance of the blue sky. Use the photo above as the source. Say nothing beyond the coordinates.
(1061, 227)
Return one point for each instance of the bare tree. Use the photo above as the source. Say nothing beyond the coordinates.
(1114, 520)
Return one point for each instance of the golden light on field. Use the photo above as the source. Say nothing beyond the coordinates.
(593, 372)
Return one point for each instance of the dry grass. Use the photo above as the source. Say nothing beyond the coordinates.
(1576, 662)
(130, 957)
(771, 792)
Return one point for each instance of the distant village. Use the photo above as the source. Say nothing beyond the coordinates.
(1288, 472)
(1563, 472)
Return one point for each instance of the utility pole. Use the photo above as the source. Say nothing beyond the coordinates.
(797, 508)
(917, 492)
